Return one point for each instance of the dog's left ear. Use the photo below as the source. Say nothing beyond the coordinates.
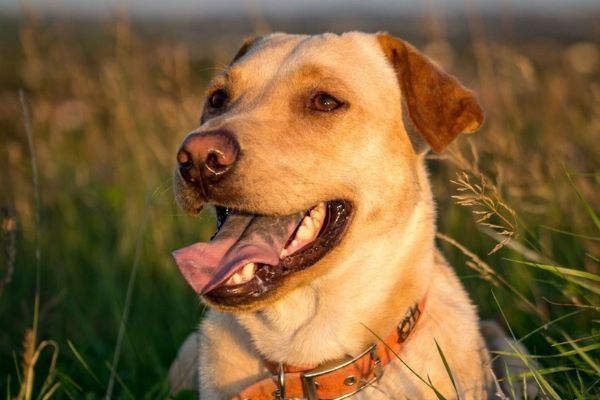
(439, 107)
(248, 43)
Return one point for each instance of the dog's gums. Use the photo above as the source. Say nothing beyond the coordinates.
(251, 255)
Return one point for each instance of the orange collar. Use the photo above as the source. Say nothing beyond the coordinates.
(338, 380)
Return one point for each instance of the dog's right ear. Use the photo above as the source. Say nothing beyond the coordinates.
(439, 107)
(248, 43)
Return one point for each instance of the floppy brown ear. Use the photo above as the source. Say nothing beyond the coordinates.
(439, 107)
(248, 43)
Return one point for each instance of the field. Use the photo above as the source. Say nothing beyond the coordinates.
(91, 304)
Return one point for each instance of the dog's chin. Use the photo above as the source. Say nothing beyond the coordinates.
(252, 285)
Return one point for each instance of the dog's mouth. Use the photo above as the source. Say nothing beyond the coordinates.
(250, 255)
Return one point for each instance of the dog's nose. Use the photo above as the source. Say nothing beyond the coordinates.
(207, 155)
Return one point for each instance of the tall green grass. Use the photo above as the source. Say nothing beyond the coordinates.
(518, 209)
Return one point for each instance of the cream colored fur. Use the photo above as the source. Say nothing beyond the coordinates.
(387, 259)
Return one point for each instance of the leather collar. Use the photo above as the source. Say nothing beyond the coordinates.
(336, 380)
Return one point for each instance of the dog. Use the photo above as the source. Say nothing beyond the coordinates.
(323, 280)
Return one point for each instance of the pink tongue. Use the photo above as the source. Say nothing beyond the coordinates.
(243, 239)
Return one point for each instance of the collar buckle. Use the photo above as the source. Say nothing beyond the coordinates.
(377, 366)
(310, 384)
(279, 394)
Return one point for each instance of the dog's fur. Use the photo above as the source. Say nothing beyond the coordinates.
(396, 105)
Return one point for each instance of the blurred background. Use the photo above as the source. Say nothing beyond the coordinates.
(95, 97)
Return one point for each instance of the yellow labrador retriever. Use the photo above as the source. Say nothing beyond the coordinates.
(323, 279)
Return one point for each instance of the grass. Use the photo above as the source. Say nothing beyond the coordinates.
(87, 285)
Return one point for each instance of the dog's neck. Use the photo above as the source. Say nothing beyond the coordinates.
(393, 342)
(339, 378)
(296, 330)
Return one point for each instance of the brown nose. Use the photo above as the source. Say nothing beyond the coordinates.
(207, 156)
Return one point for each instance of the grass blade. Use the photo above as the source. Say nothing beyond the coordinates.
(85, 365)
(447, 367)
(127, 304)
(583, 200)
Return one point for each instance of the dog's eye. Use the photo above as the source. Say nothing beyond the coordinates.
(218, 98)
(325, 102)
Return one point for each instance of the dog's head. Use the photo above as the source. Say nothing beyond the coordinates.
(302, 138)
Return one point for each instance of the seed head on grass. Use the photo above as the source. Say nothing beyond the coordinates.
(27, 363)
(478, 192)
(490, 210)
(30, 357)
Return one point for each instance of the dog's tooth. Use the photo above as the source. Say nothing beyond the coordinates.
(306, 230)
(230, 281)
(306, 220)
(302, 223)
(290, 248)
(237, 278)
(302, 233)
(311, 227)
(316, 221)
(317, 214)
(248, 272)
(244, 275)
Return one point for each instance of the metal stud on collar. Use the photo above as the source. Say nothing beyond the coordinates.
(406, 326)
(279, 394)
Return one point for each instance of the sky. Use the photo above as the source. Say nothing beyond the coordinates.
(283, 7)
